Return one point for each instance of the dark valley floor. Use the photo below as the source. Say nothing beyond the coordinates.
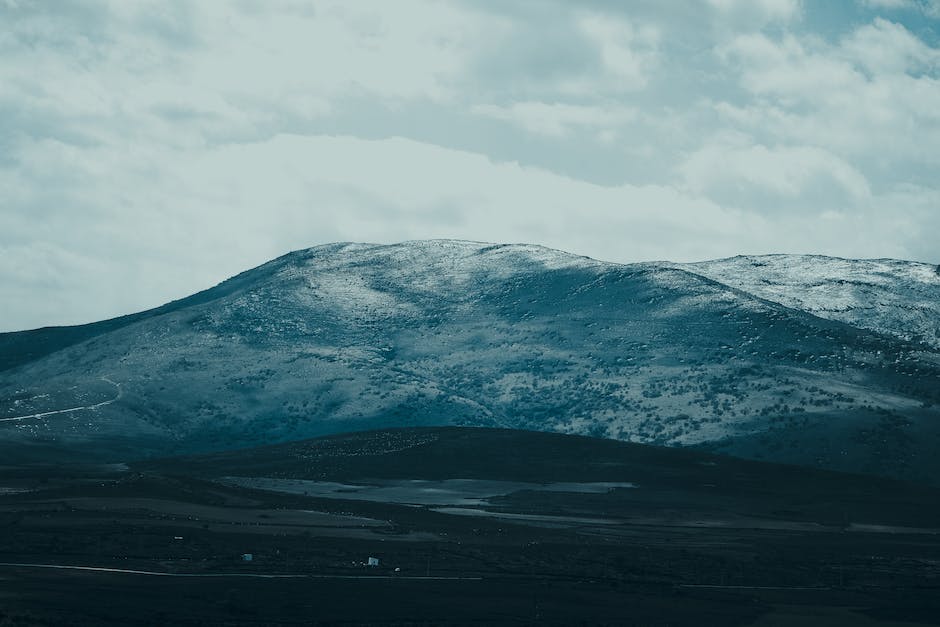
(469, 526)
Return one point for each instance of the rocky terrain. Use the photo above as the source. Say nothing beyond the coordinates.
(897, 298)
(347, 337)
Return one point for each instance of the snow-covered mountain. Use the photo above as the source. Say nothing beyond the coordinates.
(352, 336)
(899, 298)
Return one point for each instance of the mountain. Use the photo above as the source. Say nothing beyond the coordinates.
(349, 337)
(897, 298)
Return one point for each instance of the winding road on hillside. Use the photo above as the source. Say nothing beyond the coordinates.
(117, 396)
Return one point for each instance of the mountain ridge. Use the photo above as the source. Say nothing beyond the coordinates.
(351, 336)
(898, 298)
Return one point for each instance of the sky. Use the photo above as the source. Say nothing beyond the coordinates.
(149, 150)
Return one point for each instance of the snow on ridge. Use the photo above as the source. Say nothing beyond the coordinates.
(381, 281)
(429, 265)
(344, 335)
(385, 281)
(446, 249)
(804, 267)
(898, 298)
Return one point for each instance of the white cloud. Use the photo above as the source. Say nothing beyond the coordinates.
(560, 119)
(377, 47)
(930, 8)
(206, 214)
(205, 71)
(871, 98)
(757, 12)
(628, 53)
(738, 169)
(888, 4)
(883, 47)
(151, 149)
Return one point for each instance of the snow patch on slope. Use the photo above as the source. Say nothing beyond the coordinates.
(897, 298)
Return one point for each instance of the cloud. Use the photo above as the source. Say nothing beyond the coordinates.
(757, 11)
(210, 213)
(148, 150)
(885, 48)
(628, 53)
(930, 8)
(560, 119)
(209, 72)
(888, 4)
(738, 171)
(871, 98)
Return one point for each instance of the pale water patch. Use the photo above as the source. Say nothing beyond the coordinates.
(7, 490)
(868, 528)
(534, 518)
(420, 491)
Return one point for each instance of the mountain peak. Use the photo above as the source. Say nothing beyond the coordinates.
(437, 250)
(351, 336)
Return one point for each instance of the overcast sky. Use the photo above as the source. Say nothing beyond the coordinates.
(150, 150)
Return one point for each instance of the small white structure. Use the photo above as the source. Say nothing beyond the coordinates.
(247, 557)
(373, 561)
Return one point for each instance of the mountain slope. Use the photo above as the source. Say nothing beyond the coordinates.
(897, 298)
(352, 336)
(20, 347)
